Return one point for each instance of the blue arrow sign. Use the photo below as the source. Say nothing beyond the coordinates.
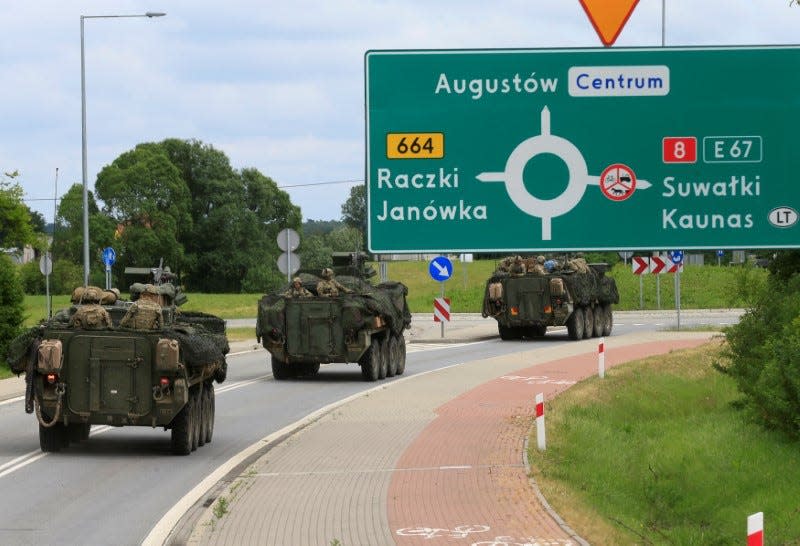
(676, 256)
(109, 256)
(720, 253)
(440, 268)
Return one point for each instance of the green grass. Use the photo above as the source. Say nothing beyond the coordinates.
(656, 453)
(702, 287)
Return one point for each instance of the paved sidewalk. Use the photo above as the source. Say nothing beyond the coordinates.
(437, 458)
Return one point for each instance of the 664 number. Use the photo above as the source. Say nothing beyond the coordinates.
(414, 145)
(403, 146)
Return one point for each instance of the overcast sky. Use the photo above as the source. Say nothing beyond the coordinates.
(278, 86)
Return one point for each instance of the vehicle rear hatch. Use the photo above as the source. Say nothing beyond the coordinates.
(314, 330)
(109, 374)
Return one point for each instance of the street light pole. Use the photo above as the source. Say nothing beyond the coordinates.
(149, 14)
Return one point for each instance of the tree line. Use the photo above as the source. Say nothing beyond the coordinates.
(183, 202)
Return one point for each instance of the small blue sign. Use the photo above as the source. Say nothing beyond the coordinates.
(720, 253)
(440, 268)
(676, 256)
(109, 256)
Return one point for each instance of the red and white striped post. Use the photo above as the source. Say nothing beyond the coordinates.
(540, 441)
(601, 358)
(755, 529)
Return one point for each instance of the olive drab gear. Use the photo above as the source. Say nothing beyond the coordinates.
(91, 317)
(143, 315)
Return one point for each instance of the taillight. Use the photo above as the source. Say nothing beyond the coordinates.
(548, 309)
(164, 382)
(52, 378)
(514, 311)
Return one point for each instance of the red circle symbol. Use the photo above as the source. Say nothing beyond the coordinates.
(617, 182)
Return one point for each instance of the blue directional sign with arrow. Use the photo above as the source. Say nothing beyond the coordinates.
(440, 268)
(109, 256)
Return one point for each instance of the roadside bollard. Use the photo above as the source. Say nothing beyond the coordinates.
(755, 529)
(601, 358)
(540, 421)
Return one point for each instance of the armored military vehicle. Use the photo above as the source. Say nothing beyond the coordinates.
(362, 323)
(105, 361)
(526, 298)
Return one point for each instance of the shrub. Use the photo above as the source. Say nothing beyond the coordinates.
(11, 304)
(33, 282)
(762, 355)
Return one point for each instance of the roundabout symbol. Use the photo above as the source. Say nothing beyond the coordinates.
(579, 178)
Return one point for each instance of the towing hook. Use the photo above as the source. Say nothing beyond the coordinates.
(61, 388)
(158, 393)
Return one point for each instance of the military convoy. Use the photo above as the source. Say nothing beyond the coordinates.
(105, 361)
(526, 296)
(302, 327)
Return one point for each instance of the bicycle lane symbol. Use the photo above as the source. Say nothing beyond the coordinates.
(579, 177)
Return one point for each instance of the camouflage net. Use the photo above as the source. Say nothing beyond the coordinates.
(19, 347)
(200, 347)
(387, 300)
(585, 282)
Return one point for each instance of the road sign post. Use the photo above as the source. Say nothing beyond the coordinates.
(46, 267)
(288, 261)
(109, 257)
(440, 269)
(535, 150)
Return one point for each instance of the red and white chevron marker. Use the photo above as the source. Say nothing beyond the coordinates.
(601, 358)
(540, 441)
(640, 265)
(441, 310)
(675, 268)
(755, 529)
(657, 265)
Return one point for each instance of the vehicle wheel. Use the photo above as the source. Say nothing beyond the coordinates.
(370, 361)
(208, 392)
(78, 432)
(183, 430)
(391, 342)
(202, 412)
(608, 319)
(599, 318)
(588, 322)
(197, 417)
(280, 369)
(384, 367)
(311, 369)
(52, 439)
(575, 324)
(506, 332)
(401, 354)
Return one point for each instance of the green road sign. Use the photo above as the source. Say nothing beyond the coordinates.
(591, 149)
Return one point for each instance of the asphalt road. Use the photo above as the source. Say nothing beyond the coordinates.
(118, 485)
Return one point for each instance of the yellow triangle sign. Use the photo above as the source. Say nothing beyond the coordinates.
(608, 17)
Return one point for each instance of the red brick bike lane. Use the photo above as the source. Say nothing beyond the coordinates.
(463, 479)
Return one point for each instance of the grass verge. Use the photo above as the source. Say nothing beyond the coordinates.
(656, 453)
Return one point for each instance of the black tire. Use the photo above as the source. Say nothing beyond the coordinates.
(575, 324)
(280, 369)
(78, 432)
(599, 319)
(608, 319)
(183, 430)
(197, 417)
(401, 354)
(371, 361)
(588, 322)
(202, 412)
(51, 439)
(506, 332)
(384, 366)
(210, 400)
(391, 370)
